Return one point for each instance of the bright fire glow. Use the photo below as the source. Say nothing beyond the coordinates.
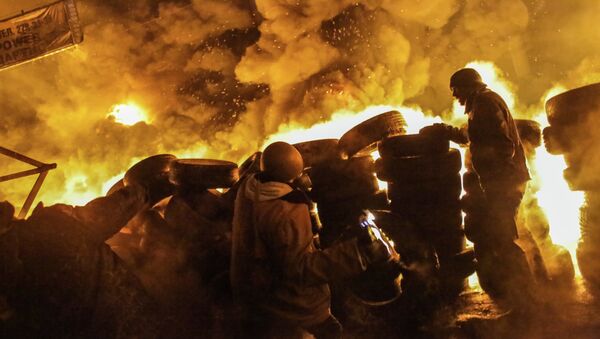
(128, 114)
(111, 182)
(78, 191)
(491, 76)
(343, 120)
(560, 204)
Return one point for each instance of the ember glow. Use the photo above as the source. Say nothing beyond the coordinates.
(128, 114)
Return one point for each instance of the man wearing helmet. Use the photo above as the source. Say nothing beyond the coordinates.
(278, 276)
(498, 159)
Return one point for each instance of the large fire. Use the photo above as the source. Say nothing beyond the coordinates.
(128, 114)
(559, 203)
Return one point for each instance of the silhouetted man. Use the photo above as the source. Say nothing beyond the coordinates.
(497, 157)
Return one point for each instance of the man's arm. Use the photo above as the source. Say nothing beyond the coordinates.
(492, 124)
(457, 134)
(291, 246)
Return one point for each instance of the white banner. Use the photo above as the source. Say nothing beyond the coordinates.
(39, 32)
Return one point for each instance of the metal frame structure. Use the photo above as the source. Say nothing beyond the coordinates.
(41, 169)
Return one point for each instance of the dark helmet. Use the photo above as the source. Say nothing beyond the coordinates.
(466, 77)
(282, 162)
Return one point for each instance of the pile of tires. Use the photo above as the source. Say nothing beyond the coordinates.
(547, 259)
(424, 186)
(343, 176)
(572, 132)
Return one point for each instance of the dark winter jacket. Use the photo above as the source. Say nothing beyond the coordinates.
(275, 265)
(495, 147)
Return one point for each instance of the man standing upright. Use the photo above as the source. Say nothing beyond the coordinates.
(498, 159)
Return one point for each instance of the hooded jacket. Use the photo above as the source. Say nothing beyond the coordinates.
(275, 265)
(496, 151)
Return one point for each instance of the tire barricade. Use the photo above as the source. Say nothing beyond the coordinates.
(424, 187)
(547, 260)
(572, 132)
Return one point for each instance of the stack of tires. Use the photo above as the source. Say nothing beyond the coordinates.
(424, 187)
(547, 260)
(342, 173)
(572, 132)
(200, 214)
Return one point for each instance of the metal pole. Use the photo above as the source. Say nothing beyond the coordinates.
(28, 172)
(20, 157)
(34, 191)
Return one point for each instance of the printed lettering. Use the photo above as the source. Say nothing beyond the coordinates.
(5, 33)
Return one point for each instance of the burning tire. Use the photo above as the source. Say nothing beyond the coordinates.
(413, 144)
(204, 173)
(555, 140)
(115, 187)
(364, 136)
(588, 249)
(316, 151)
(529, 131)
(418, 168)
(579, 181)
(152, 173)
(573, 106)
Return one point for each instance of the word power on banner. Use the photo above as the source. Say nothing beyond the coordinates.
(39, 32)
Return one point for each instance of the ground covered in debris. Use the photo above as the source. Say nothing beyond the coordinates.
(566, 312)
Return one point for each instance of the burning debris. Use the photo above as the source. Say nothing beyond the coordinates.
(571, 132)
(179, 249)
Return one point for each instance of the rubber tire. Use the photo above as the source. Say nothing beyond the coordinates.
(204, 173)
(432, 192)
(573, 106)
(580, 182)
(364, 136)
(430, 217)
(340, 179)
(316, 151)
(530, 132)
(250, 165)
(152, 173)
(418, 168)
(412, 144)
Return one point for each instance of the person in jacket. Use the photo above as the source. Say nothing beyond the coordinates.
(279, 278)
(497, 157)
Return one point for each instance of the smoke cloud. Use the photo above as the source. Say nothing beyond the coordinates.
(216, 78)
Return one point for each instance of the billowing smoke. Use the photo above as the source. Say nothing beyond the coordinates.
(218, 76)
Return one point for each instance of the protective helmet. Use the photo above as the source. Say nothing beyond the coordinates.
(281, 161)
(466, 77)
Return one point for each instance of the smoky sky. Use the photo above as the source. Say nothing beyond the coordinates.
(218, 77)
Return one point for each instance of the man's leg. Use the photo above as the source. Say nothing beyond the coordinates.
(512, 261)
